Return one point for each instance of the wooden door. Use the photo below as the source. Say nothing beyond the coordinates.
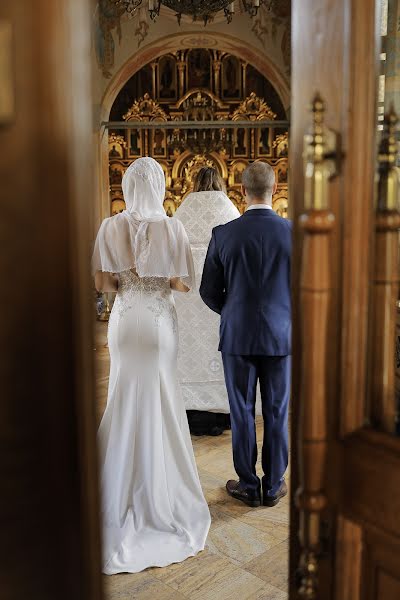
(345, 538)
(50, 545)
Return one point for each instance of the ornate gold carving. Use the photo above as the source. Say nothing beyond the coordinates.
(194, 165)
(145, 109)
(280, 204)
(116, 147)
(104, 315)
(116, 139)
(230, 150)
(254, 108)
(237, 199)
(280, 140)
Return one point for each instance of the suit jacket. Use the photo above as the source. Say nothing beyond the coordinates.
(246, 279)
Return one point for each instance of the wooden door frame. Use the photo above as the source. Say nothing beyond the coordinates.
(49, 502)
(335, 51)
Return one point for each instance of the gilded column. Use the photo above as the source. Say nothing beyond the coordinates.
(244, 86)
(154, 81)
(181, 73)
(217, 76)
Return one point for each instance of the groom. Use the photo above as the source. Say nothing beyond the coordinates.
(246, 279)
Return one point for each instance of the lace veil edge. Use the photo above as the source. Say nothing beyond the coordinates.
(158, 248)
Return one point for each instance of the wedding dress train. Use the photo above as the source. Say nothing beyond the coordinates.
(154, 511)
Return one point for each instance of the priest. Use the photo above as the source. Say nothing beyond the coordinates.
(199, 362)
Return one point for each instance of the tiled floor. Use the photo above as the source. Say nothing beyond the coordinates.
(247, 549)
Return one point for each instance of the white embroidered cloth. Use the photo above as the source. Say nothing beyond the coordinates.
(200, 369)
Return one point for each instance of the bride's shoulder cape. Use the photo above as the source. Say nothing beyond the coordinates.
(154, 248)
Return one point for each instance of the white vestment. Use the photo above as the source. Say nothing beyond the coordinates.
(200, 368)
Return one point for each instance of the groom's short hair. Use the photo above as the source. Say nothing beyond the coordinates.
(258, 179)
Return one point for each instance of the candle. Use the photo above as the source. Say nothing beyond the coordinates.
(151, 4)
(256, 3)
(232, 7)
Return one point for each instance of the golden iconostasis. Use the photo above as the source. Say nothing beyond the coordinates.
(198, 85)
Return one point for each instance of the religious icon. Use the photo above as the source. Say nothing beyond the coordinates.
(280, 206)
(114, 152)
(237, 199)
(134, 139)
(169, 206)
(282, 174)
(283, 149)
(264, 147)
(240, 148)
(231, 77)
(159, 142)
(115, 176)
(167, 77)
(199, 68)
(237, 170)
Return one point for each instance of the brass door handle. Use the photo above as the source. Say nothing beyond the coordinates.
(322, 158)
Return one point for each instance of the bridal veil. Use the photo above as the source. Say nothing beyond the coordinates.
(142, 237)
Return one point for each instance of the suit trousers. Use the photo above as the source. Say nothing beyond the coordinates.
(241, 376)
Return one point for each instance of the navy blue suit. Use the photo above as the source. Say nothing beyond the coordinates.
(246, 279)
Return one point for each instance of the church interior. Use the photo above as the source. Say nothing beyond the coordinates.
(312, 89)
(205, 84)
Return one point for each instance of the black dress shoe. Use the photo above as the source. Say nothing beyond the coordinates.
(236, 491)
(273, 500)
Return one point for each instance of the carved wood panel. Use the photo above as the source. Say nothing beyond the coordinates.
(381, 575)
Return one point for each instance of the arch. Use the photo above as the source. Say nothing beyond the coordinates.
(181, 41)
(187, 155)
(205, 92)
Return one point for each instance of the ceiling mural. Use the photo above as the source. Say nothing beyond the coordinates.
(107, 30)
(268, 27)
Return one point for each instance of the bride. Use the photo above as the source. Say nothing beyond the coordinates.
(154, 511)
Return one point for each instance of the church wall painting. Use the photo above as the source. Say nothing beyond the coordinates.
(231, 78)
(159, 143)
(241, 142)
(117, 144)
(183, 152)
(198, 68)
(264, 144)
(167, 78)
(135, 143)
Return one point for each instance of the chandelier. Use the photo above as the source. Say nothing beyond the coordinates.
(199, 10)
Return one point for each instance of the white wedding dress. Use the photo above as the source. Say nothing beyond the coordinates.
(153, 509)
